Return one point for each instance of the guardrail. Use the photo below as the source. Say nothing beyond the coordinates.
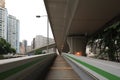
(26, 68)
(99, 69)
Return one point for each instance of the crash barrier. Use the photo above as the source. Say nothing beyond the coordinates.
(26, 68)
(99, 69)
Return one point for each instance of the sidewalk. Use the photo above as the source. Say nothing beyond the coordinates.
(61, 70)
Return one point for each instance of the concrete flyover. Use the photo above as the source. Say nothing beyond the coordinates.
(74, 21)
(43, 48)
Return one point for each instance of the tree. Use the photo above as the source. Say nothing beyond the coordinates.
(12, 50)
(5, 47)
(109, 41)
(38, 51)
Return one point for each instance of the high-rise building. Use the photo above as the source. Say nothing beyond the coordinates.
(51, 41)
(17, 34)
(9, 27)
(28, 49)
(13, 32)
(41, 41)
(3, 23)
(24, 42)
(2, 3)
(23, 47)
(33, 44)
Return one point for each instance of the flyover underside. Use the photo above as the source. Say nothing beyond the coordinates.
(79, 17)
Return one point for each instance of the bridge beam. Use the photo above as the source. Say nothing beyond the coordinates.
(77, 44)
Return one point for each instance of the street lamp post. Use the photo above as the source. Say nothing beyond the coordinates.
(38, 16)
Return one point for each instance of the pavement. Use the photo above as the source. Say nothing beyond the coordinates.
(61, 70)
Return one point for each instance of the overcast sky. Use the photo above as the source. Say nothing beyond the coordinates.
(26, 11)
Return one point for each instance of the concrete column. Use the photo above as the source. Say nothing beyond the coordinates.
(77, 44)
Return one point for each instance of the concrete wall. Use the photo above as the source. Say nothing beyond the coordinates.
(25, 68)
(94, 68)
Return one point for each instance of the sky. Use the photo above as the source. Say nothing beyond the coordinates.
(26, 11)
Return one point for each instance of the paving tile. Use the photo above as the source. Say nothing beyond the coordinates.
(61, 70)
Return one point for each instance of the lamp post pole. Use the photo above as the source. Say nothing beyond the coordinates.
(47, 41)
(47, 35)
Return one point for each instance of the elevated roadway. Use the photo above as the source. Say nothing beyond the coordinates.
(43, 48)
(74, 21)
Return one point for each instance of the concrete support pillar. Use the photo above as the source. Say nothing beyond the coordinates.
(77, 45)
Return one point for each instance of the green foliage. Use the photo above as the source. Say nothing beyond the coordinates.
(12, 50)
(38, 52)
(108, 41)
(5, 47)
